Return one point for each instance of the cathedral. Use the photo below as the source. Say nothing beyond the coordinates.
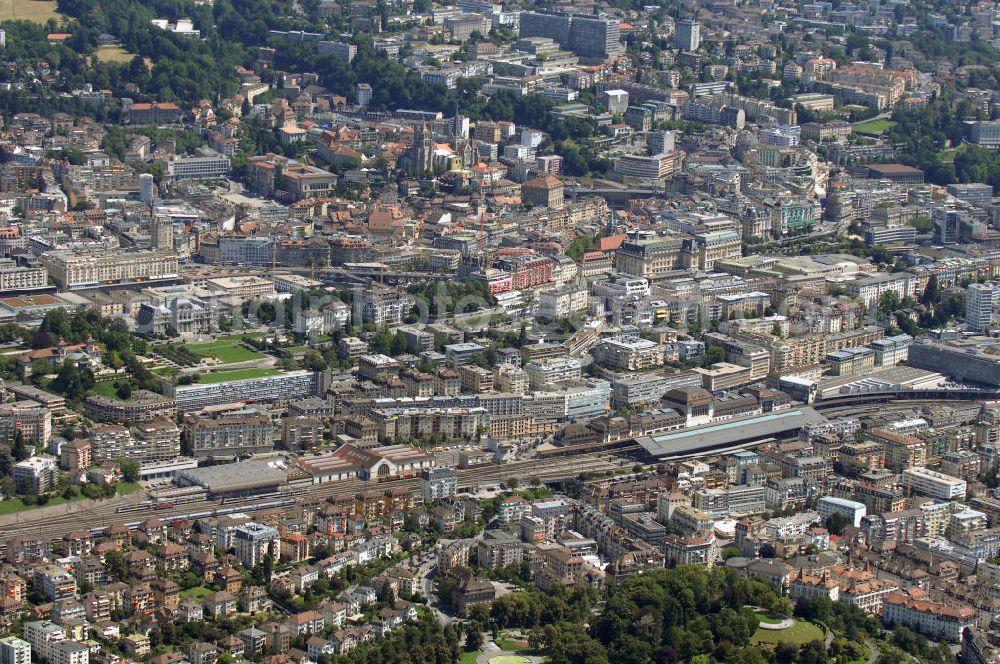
(420, 155)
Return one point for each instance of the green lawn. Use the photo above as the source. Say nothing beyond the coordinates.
(198, 593)
(126, 488)
(164, 371)
(767, 619)
(113, 54)
(802, 632)
(37, 11)
(874, 127)
(15, 504)
(228, 350)
(469, 657)
(864, 658)
(106, 388)
(239, 374)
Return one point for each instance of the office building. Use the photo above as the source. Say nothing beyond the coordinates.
(538, 24)
(974, 193)
(161, 234)
(592, 37)
(853, 511)
(688, 35)
(984, 133)
(16, 278)
(78, 270)
(147, 189)
(979, 302)
(242, 287)
(204, 164)
(287, 386)
(660, 142)
(364, 92)
(924, 482)
(615, 101)
(653, 167)
(595, 37)
(343, 50)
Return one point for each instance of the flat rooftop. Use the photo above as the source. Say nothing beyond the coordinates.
(731, 432)
(230, 477)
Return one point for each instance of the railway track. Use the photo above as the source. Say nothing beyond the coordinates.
(104, 514)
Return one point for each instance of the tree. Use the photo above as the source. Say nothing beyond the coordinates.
(129, 468)
(19, 450)
(930, 295)
(473, 637)
(836, 523)
(889, 302)
(116, 564)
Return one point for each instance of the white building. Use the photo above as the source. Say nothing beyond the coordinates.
(435, 483)
(891, 351)
(14, 651)
(252, 542)
(35, 474)
(979, 302)
(543, 373)
(932, 619)
(205, 164)
(828, 505)
(924, 482)
(43, 635)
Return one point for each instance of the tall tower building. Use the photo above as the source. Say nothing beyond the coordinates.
(147, 189)
(979, 302)
(660, 142)
(420, 156)
(460, 126)
(595, 37)
(161, 234)
(539, 24)
(364, 94)
(688, 35)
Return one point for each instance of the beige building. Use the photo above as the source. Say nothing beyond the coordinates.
(545, 191)
(70, 270)
(245, 288)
